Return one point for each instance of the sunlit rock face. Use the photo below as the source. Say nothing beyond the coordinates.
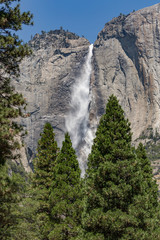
(46, 81)
(127, 64)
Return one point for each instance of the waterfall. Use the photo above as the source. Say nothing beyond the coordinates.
(77, 119)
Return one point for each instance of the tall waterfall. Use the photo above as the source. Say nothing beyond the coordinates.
(77, 119)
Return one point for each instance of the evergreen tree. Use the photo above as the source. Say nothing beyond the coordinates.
(146, 202)
(115, 187)
(65, 196)
(11, 192)
(12, 51)
(25, 214)
(146, 169)
(42, 180)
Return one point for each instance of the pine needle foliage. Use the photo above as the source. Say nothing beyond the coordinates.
(11, 193)
(27, 225)
(145, 164)
(65, 198)
(115, 188)
(12, 51)
(44, 163)
(46, 156)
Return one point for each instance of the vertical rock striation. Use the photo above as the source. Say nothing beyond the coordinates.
(46, 81)
(127, 64)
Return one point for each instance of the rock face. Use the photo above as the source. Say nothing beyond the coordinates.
(125, 62)
(46, 80)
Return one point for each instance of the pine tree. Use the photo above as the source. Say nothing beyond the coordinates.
(11, 193)
(25, 215)
(65, 196)
(148, 213)
(146, 169)
(146, 202)
(12, 51)
(115, 183)
(42, 180)
(6, 201)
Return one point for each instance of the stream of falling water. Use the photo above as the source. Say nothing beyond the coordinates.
(77, 119)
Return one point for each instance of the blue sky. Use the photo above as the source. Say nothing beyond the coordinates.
(83, 17)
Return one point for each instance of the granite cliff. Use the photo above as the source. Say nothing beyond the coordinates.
(125, 62)
(46, 80)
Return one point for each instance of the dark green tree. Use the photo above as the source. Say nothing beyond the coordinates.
(65, 198)
(146, 169)
(12, 51)
(25, 214)
(11, 193)
(115, 188)
(148, 214)
(44, 162)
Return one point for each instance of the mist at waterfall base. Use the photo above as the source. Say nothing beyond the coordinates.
(77, 121)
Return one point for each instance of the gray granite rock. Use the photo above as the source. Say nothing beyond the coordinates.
(127, 64)
(46, 80)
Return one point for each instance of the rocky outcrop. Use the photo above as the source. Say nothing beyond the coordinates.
(46, 80)
(127, 64)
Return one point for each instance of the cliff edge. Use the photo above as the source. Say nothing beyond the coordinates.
(46, 80)
(127, 64)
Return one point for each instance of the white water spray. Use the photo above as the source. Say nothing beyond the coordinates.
(77, 120)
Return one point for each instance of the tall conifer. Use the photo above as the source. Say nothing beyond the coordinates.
(65, 198)
(42, 180)
(12, 51)
(146, 169)
(115, 183)
(11, 193)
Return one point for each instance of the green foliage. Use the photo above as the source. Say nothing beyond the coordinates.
(27, 225)
(153, 150)
(11, 192)
(150, 185)
(144, 161)
(12, 51)
(45, 159)
(152, 145)
(42, 179)
(66, 196)
(118, 203)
